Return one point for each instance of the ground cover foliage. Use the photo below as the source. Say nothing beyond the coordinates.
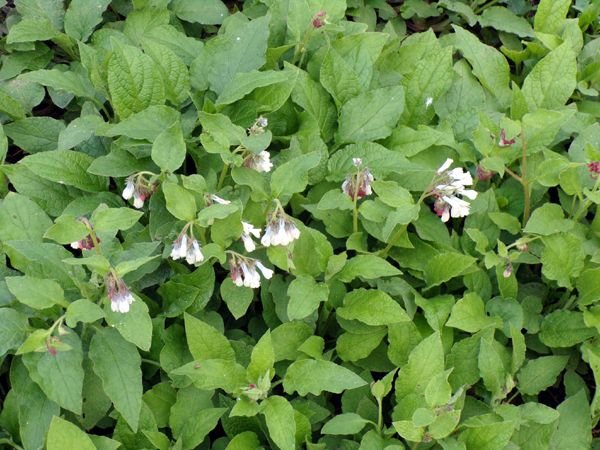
(321, 224)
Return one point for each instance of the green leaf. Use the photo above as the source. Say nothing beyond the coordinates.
(312, 376)
(588, 286)
(244, 83)
(287, 337)
(135, 326)
(174, 72)
(206, 342)
(237, 298)
(61, 375)
(180, 202)
(35, 292)
(279, 416)
(22, 219)
(262, 358)
(348, 423)
(65, 80)
(206, 12)
(548, 219)
(82, 16)
(377, 158)
(353, 347)
(185, 290)
(338, 78)
(540, 373)
(215, 374)
(32, 29)
(117, 363)
(487, 432)
(553, 79)
(468, 314)
(240, 49)
(292, 176)
(550, 16)
(491, 365)
(67, 229)
(11, 107)
(564, 329)
(574, 423)
(35, 134)
(445, 266)
(189, 423)
(503, 19)
(305, 297)
(246, 440)
(168, 149)
(13, 329)
(370, 116)
(134, 81)
(64, 435)
(562, 258)
(79, 131)
(65, 167)
(371, 307)
(112, 219)
(83, 311)
(146, 124)
(489, 65)
(425, 361)
(368, 267)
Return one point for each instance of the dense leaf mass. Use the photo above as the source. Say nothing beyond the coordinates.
(286, 224)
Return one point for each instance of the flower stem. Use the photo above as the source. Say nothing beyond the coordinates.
(525, 181)
(222, 177)
(586, 204)
(379, 415)
(355, 202)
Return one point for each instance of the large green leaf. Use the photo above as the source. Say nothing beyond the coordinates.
(279, 416)
(371, 307)
(552, 81)
(206, 342)
(35, 292)
(206, 12)
(117, 363)
(65, 167)
(370, 116)
(21, 218)
(305, 296)
(313, 376)
(13, 329)
(551, 15)
(82, 16)
(60, 376)
(134, 81)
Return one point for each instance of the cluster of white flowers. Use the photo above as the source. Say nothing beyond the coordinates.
(188, 248)
(451, 184)
(244, 271)
(359, 183)
(260, 162)
(136, 190)
(119, 294)
(248, 232)
(280, 230)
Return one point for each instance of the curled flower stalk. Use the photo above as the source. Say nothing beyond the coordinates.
(246, 271)
(448, 184)
(138, 188)
(119, 294)
(187, 246)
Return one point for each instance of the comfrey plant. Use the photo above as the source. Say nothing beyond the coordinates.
(304, 224)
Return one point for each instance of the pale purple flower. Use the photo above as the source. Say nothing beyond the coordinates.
(358, 183)
(244, 273)
(280, 231)
(129, 189)
(119, 294)
(188, 248)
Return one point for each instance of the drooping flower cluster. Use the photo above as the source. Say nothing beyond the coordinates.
(319, 19)
(187, 246)
(87, 243)
(138, 188)
(260, 162)
(244, 271)
(248, 232)
(358, 184)
(280, 230)
(258, 127)
(594, 168)
(119, 294)
(503, 142)
(449, 184)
